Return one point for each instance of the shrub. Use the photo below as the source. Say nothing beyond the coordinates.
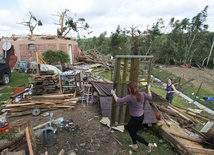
(53, 57)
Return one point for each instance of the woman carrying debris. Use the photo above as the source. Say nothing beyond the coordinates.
(135, 99)
(170, 90)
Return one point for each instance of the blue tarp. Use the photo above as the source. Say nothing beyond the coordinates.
(209, 98)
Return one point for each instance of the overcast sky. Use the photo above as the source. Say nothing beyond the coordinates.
(101, 15)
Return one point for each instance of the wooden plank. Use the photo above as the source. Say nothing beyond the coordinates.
(181, 85)
(115, 86)
(201, 150)
(123, 93)
(63, 106)
(198, 140)
(199, 116)
(29, 112)
(134, 70)
(54, 96)
(185, 140)
(183, 114)
(177, 144)
(180, 114)
(28, 139)
(18, 105)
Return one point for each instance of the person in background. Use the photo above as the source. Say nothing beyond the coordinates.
(135, 99)
(170, 90)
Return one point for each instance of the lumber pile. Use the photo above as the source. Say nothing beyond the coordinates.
(49, 101)
(183, 117)
(45, 82)
(178, 127)
(93, 56)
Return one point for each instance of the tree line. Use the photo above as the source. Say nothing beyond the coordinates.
(181, 41)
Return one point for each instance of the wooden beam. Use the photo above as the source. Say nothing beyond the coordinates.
(183, 114)
(201, 150)
(54, 96)
(28, 139)
(177, 144)
(198, 140)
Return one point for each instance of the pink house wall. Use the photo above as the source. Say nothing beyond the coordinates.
(23, 53)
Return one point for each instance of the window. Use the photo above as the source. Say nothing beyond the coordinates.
(31, 47)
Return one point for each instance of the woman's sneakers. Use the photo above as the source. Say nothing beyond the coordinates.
(134, 146)
(150, 146)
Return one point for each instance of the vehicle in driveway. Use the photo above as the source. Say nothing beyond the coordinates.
(5, 71)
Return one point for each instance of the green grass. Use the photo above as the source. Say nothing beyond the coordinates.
(189, 89)
(108, 75)
(5, 89)
(5, 96)
(17, 79)
(177, 100)
(152, 135)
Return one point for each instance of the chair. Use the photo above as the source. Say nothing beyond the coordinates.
(86, 93)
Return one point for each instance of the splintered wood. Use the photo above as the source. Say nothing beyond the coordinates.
(181, 132)
(44, 102)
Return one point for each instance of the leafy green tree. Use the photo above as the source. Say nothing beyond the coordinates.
(181, 41)
(155, 42)
(120, 43)
(54, 57)
(85, 43)
(103, 43)
(186, 34)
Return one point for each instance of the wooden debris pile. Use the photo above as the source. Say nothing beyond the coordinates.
(45, 82)
(93, 56)
(44, 102)
(185, 118)
(178, 127)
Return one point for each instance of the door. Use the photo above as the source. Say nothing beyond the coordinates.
(70, 54)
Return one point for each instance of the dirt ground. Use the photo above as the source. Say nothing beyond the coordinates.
(91, 137)
(204, 76)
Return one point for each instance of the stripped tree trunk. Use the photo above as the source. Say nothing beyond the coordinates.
(211, 50)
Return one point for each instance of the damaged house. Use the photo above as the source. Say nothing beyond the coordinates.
(21, 48)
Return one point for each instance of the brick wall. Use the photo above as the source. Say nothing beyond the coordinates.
(23, 53)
